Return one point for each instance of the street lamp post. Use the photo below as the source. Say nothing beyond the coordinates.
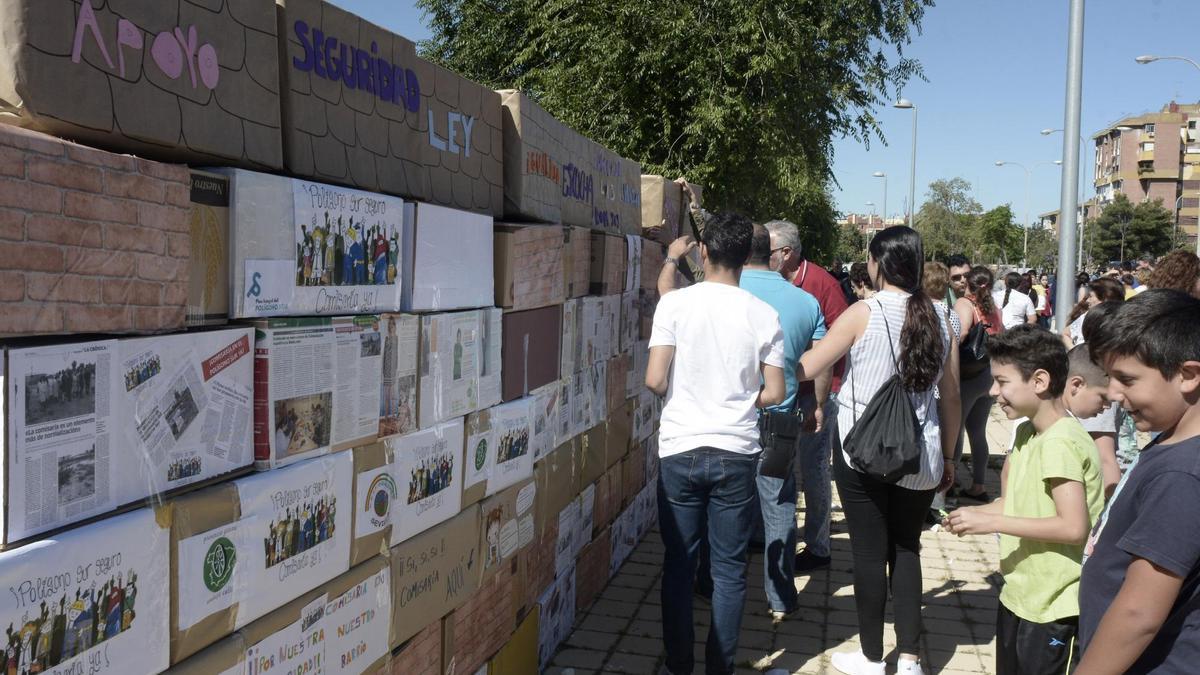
(880, 174)
(1025, 225)
(905, 104)
(1082, 195)
(1144, 59)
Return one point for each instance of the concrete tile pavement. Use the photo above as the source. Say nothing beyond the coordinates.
(621, 632)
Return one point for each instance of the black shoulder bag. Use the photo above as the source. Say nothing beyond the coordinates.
(973, 356)
(777, 432)
(885, 443)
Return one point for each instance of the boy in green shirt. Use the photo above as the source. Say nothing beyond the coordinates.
(1050, 494)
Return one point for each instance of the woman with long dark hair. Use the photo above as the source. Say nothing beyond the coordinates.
(977, 307)
(1015, 306)
(1104, 289)
(898, 330)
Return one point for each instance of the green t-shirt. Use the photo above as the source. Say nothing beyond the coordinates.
(1041, 579)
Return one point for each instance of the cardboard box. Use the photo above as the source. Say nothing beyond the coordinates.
(520, 655)
(580, 184)
(508, 526)
(434, 573)
(341, 251)
(227, 656)
(597, 398)
(601, 328)
(557, 480)
(591, 572)
(571, 346)
(459, 364)
(647, 302)
(531, 350)
(618, 434)
(607, 207)
(93, 426)
(639, 355)
(618, 378)
(545, 414)
(624, 537)
(376, 497)
(534, 150)
(429, 463)
(317, 385)
(653, 257)
(593, 453)
(577, 261)
(605, 509)
(208, 286)
(607, 264)
(133, 83)
(529, 266)
(631, 197)
(497, 449)
(89, 579)
(448, 259)
(556, 616)
(633, 472)
(342, 627)
(633, 263)
(286, 532)
(398, 385)
(662, 201)
(392, 122)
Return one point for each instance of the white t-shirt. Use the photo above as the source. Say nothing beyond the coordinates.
(721, 334)
(1019, 306)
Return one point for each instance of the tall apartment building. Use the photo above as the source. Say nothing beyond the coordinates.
(1152, 156)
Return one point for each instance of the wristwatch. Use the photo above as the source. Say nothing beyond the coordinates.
(673, 261)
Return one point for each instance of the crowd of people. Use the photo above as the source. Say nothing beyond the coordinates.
(875, 377)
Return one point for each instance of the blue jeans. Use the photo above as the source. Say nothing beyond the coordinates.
(777, 498)
(816, 482)
(711, 489)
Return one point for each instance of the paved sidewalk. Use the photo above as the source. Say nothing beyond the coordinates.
(621, 632)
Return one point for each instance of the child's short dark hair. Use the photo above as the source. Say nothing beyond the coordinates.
(1158, 327)
(1030, 349)
(1097, 315)
(1080, 363)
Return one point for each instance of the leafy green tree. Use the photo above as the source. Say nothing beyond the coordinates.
(1043, 248)
(1126, 230)
(994, 237)
(947, 217)
(743, 97)
(852, 244)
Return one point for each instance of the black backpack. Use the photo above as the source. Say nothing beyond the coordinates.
(886, 442)
(973, 356)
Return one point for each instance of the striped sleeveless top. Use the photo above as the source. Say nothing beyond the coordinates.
(870, 365)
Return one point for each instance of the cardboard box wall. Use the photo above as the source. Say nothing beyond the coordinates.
(507, 528)
(580, 184)
(497, 453)
(317, 384)
(593, 453)
(618, 433)
(448, 259)
(170, 80)
(434, 573)
(556, 616)
(520, 655)
(633, 263)
(94, 426)
(591, 571)
(531, 349)
(607, 264)
(227, 656)
(529, 266)
(421, 654)
(260, 522)
(115, 569)
(459, 364)
(341, 627)
(376, 497)
(208, 286)
(285, 238)
(631, 197)
(609, 494)
(617, 372)
(557, 480)
(577, 261)
(653, 255)
(412, 128)
(534, 151)
(474, 632)
(662, 201)
(633, 472)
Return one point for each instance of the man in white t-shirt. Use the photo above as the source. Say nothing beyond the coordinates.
(717, 354)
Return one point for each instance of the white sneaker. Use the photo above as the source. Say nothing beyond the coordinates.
(906, 667)
(854, 663)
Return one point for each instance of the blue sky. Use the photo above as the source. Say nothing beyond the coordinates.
(995, 70)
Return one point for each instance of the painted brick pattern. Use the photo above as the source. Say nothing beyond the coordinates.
(214, 101)
(412, 144)
(591, 570)
(484, 624)
(87, 239)
(421, 655)
(529, 266)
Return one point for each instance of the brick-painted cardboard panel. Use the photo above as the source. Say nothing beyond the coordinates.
(383, 119)
(176, 80)
(90, 241)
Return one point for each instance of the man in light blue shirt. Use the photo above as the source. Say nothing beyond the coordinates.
(802, 321)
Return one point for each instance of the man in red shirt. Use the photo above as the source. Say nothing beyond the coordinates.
(814, 450)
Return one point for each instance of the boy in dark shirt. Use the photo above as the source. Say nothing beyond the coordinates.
(1140, 589)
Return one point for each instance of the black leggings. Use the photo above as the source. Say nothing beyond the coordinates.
(885, 523)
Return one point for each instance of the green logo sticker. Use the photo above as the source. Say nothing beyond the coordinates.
(218, 564)
(480, 455)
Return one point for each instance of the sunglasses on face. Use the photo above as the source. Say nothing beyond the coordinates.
(957, 277)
